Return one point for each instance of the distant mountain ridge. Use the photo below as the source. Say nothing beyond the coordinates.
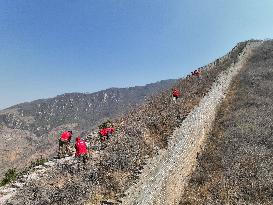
(77, 111)
(125, 169)
(41, 115)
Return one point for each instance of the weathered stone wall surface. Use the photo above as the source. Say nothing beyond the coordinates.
(165, 176)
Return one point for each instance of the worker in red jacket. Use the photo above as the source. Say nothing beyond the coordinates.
(64, 143)
(176, 94)
(110, 132)
(106, 133)
(81, 149)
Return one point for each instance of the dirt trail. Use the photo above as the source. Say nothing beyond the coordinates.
(165, 176)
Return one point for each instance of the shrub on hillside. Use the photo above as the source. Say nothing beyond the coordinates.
(38, 162)
(10, 176)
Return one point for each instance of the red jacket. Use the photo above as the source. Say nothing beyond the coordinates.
(176, 93)
(106, 131)
(66, 136)
(103, 132)
(110, 130)
(80, 146)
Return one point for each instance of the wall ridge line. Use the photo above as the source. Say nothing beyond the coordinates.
(163, 182)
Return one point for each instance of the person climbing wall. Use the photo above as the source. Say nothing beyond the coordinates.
(106, 133)
(81, 150)
(175, 93)
(64, 144)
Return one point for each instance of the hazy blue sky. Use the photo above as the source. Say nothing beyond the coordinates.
(50, 47)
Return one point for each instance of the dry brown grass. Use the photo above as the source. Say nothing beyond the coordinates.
(208, 174)
(235, 166)
(139, 136)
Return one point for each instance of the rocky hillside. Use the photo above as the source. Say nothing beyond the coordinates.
(29, 130)
(141, 135)
(235, 165)
(87, 110)
(165, 176)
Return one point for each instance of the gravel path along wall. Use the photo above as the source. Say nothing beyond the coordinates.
(165, 176)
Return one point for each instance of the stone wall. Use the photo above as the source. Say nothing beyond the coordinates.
(165, 176)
